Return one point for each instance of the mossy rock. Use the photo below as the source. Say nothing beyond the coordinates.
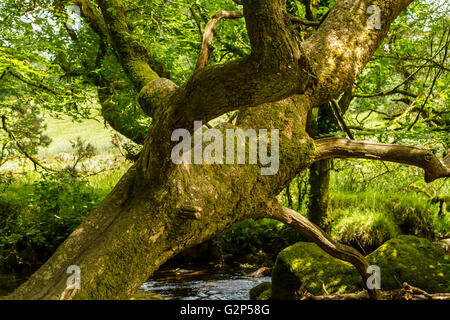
(305, 260)
(266, 295)
(146, 295)
(410, 259)
(262, 291)
(414, 260)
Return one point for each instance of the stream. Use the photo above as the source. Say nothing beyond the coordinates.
(207, 284)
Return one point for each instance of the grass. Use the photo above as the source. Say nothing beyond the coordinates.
(64, 130)
(103, 183)
(368, 219)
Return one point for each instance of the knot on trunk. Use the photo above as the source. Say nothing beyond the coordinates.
(191, 212)
(155, 94)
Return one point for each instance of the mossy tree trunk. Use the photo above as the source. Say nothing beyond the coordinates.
(148, 217)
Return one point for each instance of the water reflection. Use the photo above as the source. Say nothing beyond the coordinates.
(202, 284)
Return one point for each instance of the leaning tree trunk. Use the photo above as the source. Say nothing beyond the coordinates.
(144, 222)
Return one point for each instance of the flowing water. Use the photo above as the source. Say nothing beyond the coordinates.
(203, 284)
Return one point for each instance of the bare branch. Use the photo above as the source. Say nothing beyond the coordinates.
(330, 148)
(396, 88)
(324, 241)
(208, 34)
(408, 292)
(304, 22)
(389, 92)
(338, 115)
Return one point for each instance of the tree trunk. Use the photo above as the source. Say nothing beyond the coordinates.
(141, 223)
(318, 125)
(319, 180)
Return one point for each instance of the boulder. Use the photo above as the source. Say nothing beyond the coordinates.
(262, 291)
(305, 262)
(410, 259)
(414, 260)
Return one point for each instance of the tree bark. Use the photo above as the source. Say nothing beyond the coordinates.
(318, 204)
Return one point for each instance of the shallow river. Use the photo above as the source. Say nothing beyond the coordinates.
(205, 284)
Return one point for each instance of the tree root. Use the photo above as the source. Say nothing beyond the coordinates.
(408, 292)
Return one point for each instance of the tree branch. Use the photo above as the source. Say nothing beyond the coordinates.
(344, 43)
(396, 88)
(211, 26)
(208, 34)
(309, 23)
(22, 148)
(324, 241)
(132, 55)
(330, 148)
(337, 113)
(41, 85)
(388, 92)
(279, 66)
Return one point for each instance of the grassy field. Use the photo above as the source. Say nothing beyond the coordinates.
(64, 130)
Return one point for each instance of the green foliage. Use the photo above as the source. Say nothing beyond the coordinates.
(366, 220)
(403, 93)
(265, 235)
(39, 218)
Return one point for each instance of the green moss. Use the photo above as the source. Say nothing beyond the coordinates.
(414, 260)
(261, 292)
(266, 295)
(143, 71)
(304, 260)
(404, 259)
